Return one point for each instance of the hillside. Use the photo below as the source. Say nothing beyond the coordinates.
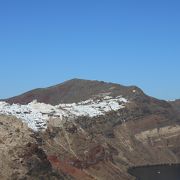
(176, 105)
(74, 90)
(84, 129)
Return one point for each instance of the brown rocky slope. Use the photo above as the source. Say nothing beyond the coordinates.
(146, 131)
(71, 91)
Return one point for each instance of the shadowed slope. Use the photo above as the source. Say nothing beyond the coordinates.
(176, 105)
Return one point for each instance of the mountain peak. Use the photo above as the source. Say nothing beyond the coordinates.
(76, 90)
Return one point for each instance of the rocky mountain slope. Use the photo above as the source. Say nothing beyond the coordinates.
(176, 105)
(72, 91)
(21, 157)
(93, 130)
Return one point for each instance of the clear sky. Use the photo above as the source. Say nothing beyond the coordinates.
(131, 42)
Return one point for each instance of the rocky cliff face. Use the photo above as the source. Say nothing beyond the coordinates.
(145, 131)
(21, 156)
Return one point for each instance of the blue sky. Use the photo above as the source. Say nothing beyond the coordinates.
(44, 42)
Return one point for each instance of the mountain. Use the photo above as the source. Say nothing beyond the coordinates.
(83, 129)
(74, 90)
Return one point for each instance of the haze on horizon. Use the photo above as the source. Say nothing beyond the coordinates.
(43, 43)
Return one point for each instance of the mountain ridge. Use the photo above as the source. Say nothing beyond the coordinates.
(74, 90)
